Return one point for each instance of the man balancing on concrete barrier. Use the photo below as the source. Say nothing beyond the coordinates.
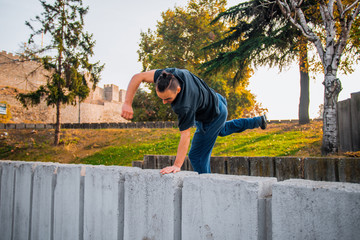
(195, 103)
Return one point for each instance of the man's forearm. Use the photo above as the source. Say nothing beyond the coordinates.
(182, 148)
(132, 88)
(135, 82)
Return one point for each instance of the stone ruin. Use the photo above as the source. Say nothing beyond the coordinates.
(102, 105)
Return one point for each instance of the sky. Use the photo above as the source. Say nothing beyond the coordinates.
(117, 24)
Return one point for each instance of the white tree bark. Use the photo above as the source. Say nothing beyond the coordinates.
(330, 54)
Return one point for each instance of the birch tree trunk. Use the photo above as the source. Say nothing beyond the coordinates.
(330, 131)
(330, 54)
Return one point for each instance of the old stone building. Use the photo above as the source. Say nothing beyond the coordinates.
(102, 105)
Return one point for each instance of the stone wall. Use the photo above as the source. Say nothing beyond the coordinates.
(89, 112)
(23, 75)
(59, 201)
(103, 125)
(102, 105)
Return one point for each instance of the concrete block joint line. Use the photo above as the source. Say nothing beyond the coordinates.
(64, 201)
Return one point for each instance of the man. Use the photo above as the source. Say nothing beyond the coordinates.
(195, 103)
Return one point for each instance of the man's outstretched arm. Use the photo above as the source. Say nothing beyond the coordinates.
(181, 153)
(127, 110)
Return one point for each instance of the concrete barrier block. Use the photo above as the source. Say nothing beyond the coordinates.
(104, 202)
(349, 170)
(289, 167)
(262, 166)
(320, 169)
(238, 166)
(67, 202)
(303, 209)
(7, 185)
(22, 200)
(225, 207)
(153, 205)
(42, 203)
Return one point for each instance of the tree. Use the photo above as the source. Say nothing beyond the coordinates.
(67, 59)
(262, 37)
(330, 40)
(178, 42)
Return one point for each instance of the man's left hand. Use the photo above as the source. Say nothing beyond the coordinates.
(170, 169)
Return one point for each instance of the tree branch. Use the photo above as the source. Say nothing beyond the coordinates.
(350, 7)
(340, 8)
(345, 26)
(302, 25)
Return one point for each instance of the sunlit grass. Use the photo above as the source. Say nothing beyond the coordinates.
(122, 146)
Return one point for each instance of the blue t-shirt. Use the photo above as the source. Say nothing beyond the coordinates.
(195, 102)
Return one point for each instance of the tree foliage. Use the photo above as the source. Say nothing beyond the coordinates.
(260, 36)
(66, 56)
(178, 41)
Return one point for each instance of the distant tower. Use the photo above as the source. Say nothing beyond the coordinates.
(111, 92)
(122, 94)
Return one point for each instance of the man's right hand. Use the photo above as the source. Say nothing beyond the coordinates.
(127, 111)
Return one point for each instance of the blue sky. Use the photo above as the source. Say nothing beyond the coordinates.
(116, 25)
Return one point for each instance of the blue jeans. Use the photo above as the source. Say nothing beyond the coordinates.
(207, 133)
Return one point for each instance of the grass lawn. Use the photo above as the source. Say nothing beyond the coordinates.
(122, 146)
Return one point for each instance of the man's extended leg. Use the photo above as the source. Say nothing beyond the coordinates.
(204, 140)
(241, 124)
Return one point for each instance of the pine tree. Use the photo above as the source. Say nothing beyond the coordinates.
(66, 57)
(261, 36)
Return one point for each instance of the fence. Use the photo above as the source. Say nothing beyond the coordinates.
(349, 123)
(318, 169)
(57, 201)
(159, 124)
(122, 125)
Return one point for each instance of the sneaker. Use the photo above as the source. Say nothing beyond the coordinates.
(263, 124)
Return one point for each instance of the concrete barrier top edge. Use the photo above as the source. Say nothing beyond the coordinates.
(156, 173)
(236, 177)
(65, 165)
(302, 183)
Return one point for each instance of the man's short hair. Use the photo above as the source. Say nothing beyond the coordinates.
(167, 81)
